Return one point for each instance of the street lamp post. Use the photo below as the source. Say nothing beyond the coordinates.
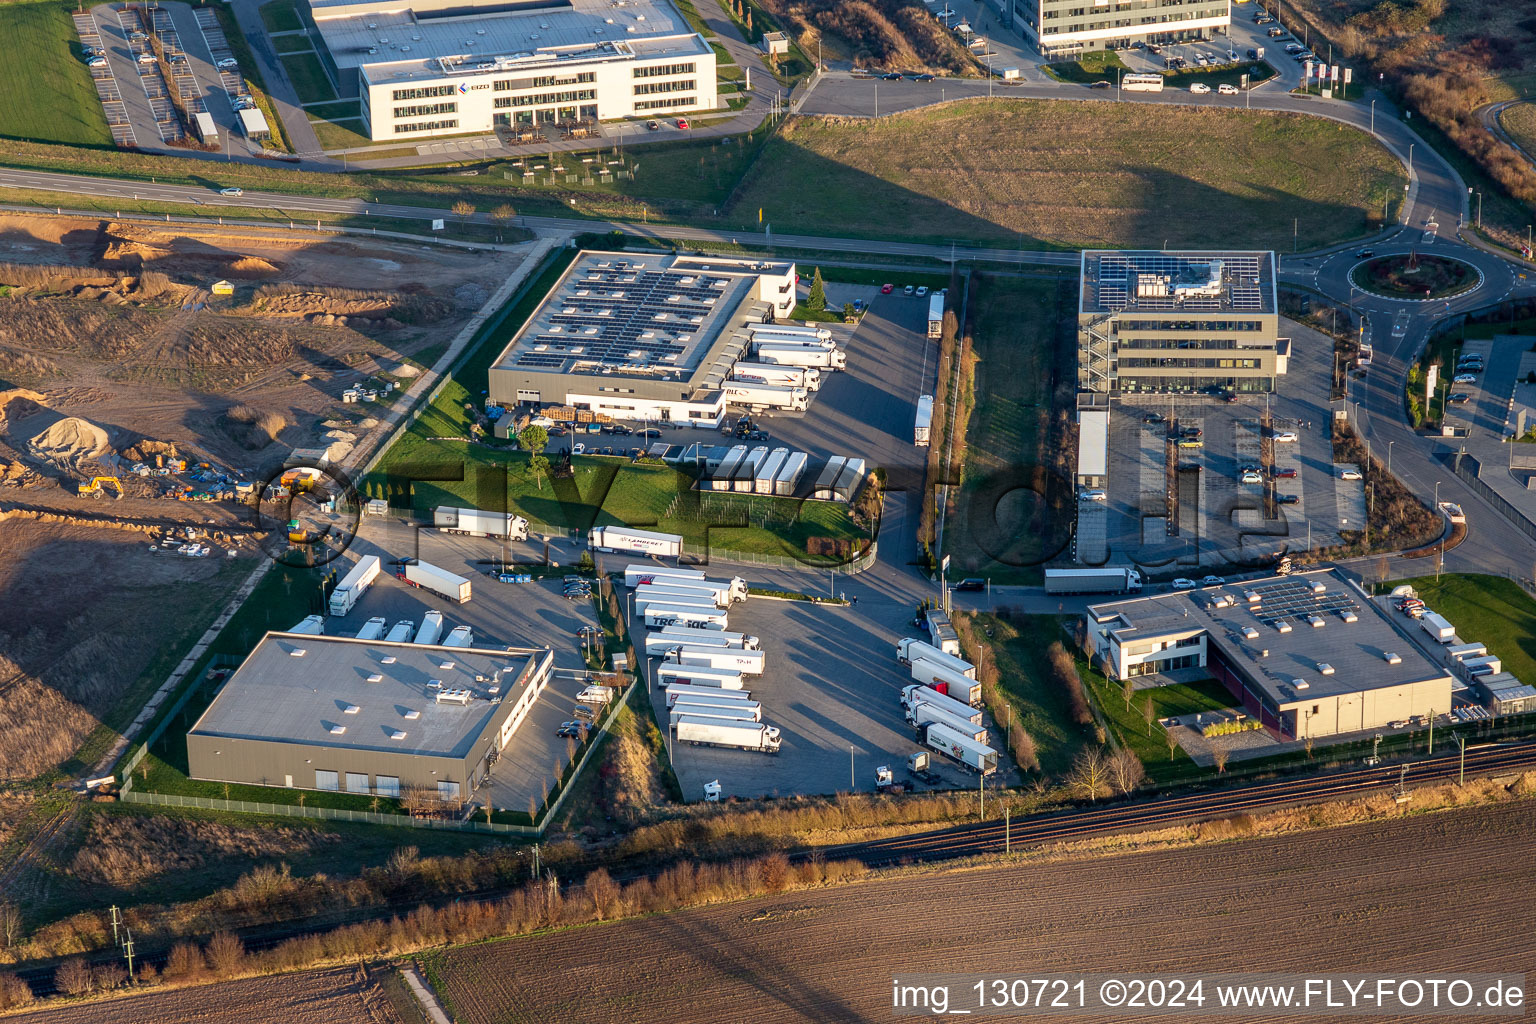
(1373, 117)
(1389, 456)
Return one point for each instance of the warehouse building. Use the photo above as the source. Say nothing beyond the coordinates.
(366, 716)
(446, 67)
(1065, 28)
(1305, 654)
(642, 336)
(1178, 322)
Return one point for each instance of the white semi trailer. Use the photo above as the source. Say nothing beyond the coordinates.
(351, 587)
(718, 732)
(788, 352)
(657, 616)
(743, 711)
(794, 330)
(673, 601)
(748, 663)
(460, 636)
(310, 625)
(622, 540)
(723, 592)
(962, 748)
(440, 581)
(476, 523)
(401, 632)
(947, 681)
(913, 695)
(808, 377)
(766, 396)
(925, 714)
(373, 629)
(910, 649)
(635, 575)
(431, 628)
(670, 673)
(682, 691)
(711, 637)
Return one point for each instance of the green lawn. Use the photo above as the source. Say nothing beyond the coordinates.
(292, 44)
(1098, 66)
(1019, 645)
(1002, 526)
(47, 89)
(1032, 173)
(341, 110)
(1488, 610)
(1188, 698)
(1228, 74)
(280, 16)
(308, 77)
(344, 133)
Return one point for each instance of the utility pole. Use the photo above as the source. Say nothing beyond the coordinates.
(1431, 730)
(117, 919)
(1007, 829)
(128, 951)
(1461, 772)
(851, 783)
(982, 789)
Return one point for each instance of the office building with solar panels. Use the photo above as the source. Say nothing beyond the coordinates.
(639, 336)
(1178, 322)
(446, 67)
(1305, 654)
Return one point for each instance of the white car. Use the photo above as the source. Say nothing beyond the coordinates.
(227, 62)
(1093, 496)
(1200, 89)
(1464, 378)
(1351, 474)
(1284, 437)
(146, 58)
(96, 62)
(922, 290)
(908, 290)
(1227, 90)
(232, 191)
(578, 449)
(1250, 477)
(1184, 584)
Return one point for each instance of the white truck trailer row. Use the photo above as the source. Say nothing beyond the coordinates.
(718, 732)
(954, 744)
(910, 649)
(913, 695)
(352, 585)
(947, 681)
(439, 581)
(925, 714)
(778, 350)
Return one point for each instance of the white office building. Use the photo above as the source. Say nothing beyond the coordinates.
(446, 67)
(1065, 28)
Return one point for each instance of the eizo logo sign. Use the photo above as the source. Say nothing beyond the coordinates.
(463, 88)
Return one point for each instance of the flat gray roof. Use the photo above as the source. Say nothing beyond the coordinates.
(282, 696)
(641, 316)
(1356, 651)
(423, 39)
(1192, 281)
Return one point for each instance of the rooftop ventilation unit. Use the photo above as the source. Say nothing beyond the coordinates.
(297, 652)
(1319, 588)
(1392, 658)
(411, 715)
(351, 709)
(434, 684)
(397, 734)
(1301, 684)
(1283, 625)
(1250, 633)
(389, 660)
(376, 678)
(1325, 668)
(453, 696)
(337, 730)
(1316, 621)
(1348, 615)
(1253, 596)
(446, 666)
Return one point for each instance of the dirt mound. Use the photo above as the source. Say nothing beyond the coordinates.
(251, 428)
(19, 403)
(70, 439)
(146, 450)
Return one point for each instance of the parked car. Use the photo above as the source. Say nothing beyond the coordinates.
(924, 77)
(1283, 474)
(1094, 495)
(1251, 477)
(1100, 84)
(96, 62)
(1192, 432)
(757, 435)
(578, 449)
(1227, 90)
(891, 76)
(974, 583)
(1364, 254)
(648, 432)
(1351, 474)
(653, 125)
(557, 431)
(886, 289)
(1154, 417)
(1459, 399)
(1253, 54)
(1213, 581)
(922, 290)
(622, 430)
(1286, 499)
(1284, 437)
(1200, 89)
(227, 63)
(232, 191)
(146, 58)
(1464, 378)
(572, 729)
(682, 123)
(1183, 583)
(908, 290)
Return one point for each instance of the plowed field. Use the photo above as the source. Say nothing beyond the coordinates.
(1430, 894)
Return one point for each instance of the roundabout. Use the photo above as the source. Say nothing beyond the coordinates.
(1415, 276)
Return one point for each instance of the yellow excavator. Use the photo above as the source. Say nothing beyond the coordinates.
(95, 487)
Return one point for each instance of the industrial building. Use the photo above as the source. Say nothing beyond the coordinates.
(446, 67)
(1065, 28)
(642, 336)
(1178, 322)
(1305, 654)
(366, 716)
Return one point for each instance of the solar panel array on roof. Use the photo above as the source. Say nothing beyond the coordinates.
(1195, 281)
(1296, 599)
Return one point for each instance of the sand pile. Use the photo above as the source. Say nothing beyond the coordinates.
(19, 403)
(69, 439)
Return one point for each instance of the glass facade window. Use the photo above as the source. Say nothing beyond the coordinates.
(662, 70)
(684, 101)
(425, 92)
(423, 109)
(651, 88)
(427, 126)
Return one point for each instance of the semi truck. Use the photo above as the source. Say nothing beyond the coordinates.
(925, 714)
(946, 680)
(914, 694)
(1438, 626)
(683, 593)
(373, 629)
(474, 523)
(788, 478)
(711, 637)
(635, 575)
(310, 625)
(431, 628)
(701, 603)
(622, 540)
(669, 673)
(962, 748)
(718, 732)
(936, 311)
(793, 330)
(682, 691)
(401, 632)
(742, 711)
(943, 632)
(923, 428)
(663, 643)
(910, 649)
(351, 587)
(459, 636)
(724, 592)
(658, 616)
(808, 377)
(788, 352)
(766, 396)
(1092, 581)
(440, 581)
(748, 663)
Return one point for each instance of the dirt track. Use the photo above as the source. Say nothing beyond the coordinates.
(1433, 893)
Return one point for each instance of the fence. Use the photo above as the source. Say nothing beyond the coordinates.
(1470, 470)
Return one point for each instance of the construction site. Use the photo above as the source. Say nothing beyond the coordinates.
(152, 379)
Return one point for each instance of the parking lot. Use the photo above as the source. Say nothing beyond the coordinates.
(1217, 519)
(832, 685)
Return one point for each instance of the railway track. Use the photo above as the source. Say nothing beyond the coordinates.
(991, 836)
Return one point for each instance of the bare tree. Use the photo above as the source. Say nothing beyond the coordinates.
(1307, 745)
(1219, 756)
(1127, 770)
(1148, 713)
(1128, 690)
(73, 977)
(1173, 743)
(463, 209)
(226, 954)
(603, 891)
(503, 214)
(1090, 772)
(10, 923)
